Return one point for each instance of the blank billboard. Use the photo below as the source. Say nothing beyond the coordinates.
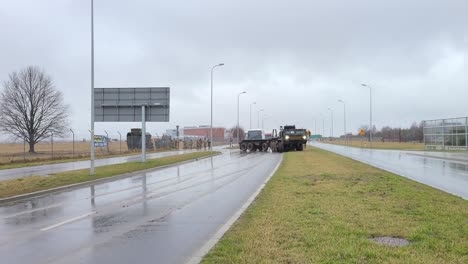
(124, 104)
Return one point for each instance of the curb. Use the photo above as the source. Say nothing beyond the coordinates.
(37, 194)
(214, 239)
(439, 158)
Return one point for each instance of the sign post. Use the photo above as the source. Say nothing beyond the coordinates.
(362, 133)
(143, 134)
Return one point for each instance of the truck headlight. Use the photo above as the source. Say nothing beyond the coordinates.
(286, 137)
(304, 137)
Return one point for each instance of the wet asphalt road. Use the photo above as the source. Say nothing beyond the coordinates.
(43, 170)
(163, 216)
(445, 171)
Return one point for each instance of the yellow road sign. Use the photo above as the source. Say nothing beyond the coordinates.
(362, 132)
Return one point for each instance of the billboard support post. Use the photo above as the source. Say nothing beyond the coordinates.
(143, 134)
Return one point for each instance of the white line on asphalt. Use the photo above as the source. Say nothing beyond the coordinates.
(68, 221)
(197, 257)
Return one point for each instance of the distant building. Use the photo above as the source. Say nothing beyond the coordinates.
(204, 131)
(446, 134)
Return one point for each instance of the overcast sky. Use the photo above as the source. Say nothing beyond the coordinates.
(295, 59)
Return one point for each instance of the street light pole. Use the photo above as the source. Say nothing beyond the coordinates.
(238, 99)
(211, 123)
(331, 130)
(344, 117)
(92, 90)
(258, 117)
(323, 124)
(251, 114)
(263, 121)
(370, 112)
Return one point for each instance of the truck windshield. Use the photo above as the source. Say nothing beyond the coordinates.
(294, 132)
(254, 135)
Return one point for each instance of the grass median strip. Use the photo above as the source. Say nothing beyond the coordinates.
(9, 188)
(320, 207)
(20, 164)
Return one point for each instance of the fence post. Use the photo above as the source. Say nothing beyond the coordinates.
(73, 148)
(24, 149)
(107, 141)
(466, 133)
(52, 144)
(120, 141)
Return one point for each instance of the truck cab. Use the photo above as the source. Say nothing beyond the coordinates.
(255, 134)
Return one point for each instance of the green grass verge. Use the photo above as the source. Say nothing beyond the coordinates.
(320, 207)
(22, 164)
(9, 188)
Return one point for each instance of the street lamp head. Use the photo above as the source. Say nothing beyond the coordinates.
(363, 84)
(221, 64)
(341, 101)
(244, 92)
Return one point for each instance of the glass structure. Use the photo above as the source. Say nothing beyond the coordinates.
(446, 134)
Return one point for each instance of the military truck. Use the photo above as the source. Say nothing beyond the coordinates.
(134, 139)
(292, 138)
(289, 138)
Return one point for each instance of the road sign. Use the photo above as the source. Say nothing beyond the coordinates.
(125, 104)
(143, 104)
(362, 132)
(100, 141)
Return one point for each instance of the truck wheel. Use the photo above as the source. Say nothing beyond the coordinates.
(243, 146)
(264, 146)
(250, 147)
(280, 147)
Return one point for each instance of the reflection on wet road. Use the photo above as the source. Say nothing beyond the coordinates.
(163, 216)
(442, 173)
(42, 170)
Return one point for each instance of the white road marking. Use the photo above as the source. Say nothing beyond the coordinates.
(68, 221)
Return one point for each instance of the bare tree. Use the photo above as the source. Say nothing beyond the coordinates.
(31, 107)
(234, 133)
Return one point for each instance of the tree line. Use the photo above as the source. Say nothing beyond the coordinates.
(414, 133)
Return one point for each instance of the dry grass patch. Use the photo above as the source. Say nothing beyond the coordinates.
(322, 208)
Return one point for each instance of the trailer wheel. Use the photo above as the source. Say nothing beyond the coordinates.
(264, 146)
(250, 147)
(243, 146)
